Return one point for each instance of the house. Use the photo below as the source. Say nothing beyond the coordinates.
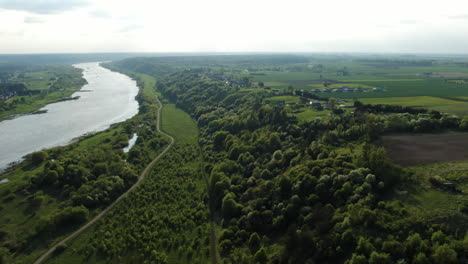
(316, 105)
(347, 89)
(377, 89)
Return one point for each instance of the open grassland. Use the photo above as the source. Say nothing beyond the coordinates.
(309, 114)
(434, 205)
(179, 124)
(288, 99)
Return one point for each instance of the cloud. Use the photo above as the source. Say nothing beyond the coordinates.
(99, 13)
(385, 26)
(130, 28)
(463, 16)
(409, 21)
(33, 20)
(42, 6)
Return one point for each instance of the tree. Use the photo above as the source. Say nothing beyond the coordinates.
(261, 256)
(444, 255)
(420, 258)
(379, 258)
(261, 84)
(357, 259)
(229, 207)
(332, 103)
(254, 242)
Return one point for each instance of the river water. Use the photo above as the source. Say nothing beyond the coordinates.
(108, 98)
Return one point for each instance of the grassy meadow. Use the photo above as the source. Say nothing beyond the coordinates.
(179, 124)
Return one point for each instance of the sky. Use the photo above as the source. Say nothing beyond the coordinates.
(83, 26)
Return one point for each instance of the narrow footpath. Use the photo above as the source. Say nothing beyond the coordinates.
(125, 194)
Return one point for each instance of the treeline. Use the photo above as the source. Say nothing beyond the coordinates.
(306, 193)
(8, 89)
(409, 119)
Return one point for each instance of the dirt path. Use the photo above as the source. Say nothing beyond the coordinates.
(125, 194)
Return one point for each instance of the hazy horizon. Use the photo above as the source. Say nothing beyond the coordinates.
(208, 26)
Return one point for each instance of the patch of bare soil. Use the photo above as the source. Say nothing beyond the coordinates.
(415, 149)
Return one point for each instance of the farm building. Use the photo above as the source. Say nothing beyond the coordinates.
(316, 105)
(377, 89)
(358, 90)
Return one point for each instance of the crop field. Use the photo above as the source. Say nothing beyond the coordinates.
(416, 149)
(178, 123)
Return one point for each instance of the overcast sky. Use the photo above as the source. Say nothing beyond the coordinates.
(399, 26)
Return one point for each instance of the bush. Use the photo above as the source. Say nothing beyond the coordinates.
(38, 157)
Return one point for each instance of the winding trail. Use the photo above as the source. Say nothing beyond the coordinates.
(125, 194)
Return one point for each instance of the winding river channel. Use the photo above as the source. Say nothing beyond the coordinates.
(108, 98)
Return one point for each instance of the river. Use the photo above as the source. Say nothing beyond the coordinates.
(108, 98)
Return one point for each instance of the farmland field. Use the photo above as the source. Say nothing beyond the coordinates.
(429, 86)
(414, 149)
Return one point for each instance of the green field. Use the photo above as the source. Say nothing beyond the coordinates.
(398, 82)
(287, 99)
(179, 124)
(310, 114)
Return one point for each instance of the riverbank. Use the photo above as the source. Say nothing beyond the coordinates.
(112, 100)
